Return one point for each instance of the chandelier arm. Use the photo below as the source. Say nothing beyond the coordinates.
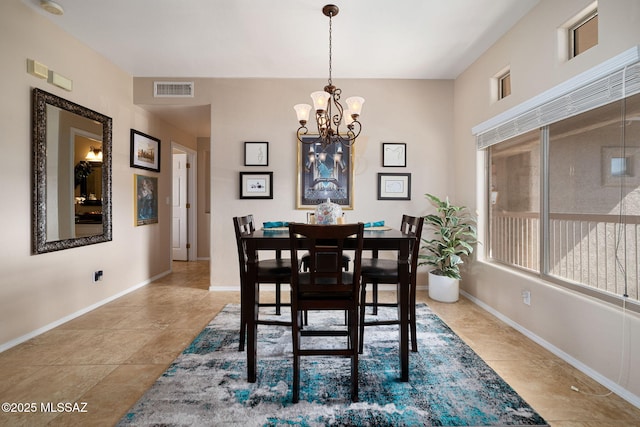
(336, 101)
(323, 124)
(302, 131)
(349, 139)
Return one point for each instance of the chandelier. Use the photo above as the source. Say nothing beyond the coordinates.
(335, 124)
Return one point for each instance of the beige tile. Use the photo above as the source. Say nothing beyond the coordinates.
(10, 375)
(164, 347)
(109, 400)
(108, 347)
(107, 317)
(51, 385)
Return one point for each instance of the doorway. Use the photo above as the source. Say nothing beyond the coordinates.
(183, 200)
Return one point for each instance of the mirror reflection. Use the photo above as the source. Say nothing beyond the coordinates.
(72, 174)
(88, 185)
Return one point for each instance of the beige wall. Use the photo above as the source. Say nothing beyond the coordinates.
(583, 330)
(418, 113)
(37, 291)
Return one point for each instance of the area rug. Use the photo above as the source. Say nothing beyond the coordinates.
(449, 384)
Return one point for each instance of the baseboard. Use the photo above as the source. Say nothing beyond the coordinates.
(596, 376)
(9, 344)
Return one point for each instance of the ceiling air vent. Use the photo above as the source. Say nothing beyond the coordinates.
(173, 89)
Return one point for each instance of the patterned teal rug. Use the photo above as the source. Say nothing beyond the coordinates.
(450, 385)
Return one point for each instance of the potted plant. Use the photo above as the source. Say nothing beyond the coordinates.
(454, 236)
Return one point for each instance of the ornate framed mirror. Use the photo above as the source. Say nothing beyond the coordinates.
(71, 163)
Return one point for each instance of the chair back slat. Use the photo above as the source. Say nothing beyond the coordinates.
(326, 246)
(243, 226)
(412, 225)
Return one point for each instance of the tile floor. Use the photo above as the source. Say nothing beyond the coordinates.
(109, 357)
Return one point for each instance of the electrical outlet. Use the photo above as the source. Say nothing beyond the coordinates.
(526, 297)
(97, 276)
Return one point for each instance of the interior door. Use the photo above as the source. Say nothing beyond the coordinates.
(179, 239)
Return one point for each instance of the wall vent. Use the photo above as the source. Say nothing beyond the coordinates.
(173, 89)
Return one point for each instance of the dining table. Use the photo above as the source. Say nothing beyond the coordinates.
(375, 238)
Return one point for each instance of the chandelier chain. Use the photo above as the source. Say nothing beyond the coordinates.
(330, 43)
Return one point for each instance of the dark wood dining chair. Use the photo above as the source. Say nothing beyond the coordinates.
(385, 271)
(273, 271)
(326, 286)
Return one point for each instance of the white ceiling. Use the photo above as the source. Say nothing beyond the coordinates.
(404, 39)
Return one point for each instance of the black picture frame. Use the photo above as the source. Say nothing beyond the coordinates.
(145, 151)
(394, 186)
(256, 185)
(394, 154)
(256, 154)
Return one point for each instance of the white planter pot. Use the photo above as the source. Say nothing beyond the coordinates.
(443, 288)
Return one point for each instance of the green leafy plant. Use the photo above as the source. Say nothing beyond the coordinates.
(454, 236)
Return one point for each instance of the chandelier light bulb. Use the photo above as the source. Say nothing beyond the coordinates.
(302, 111)
(320, 100)
(355, 104)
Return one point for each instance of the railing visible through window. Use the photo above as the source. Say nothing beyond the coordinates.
(598, 251)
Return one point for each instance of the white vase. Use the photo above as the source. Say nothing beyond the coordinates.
(443, 288)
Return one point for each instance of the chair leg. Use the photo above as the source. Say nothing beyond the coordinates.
(295, 339)
(374, 290)
(363, 306)
(353, 316)
(243, 319)
(278, 301)
(295, 396)
(412, 322)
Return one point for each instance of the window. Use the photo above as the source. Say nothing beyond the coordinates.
(504, 85)
(572, 185)
(500, 84)
(584, 34)
(514, 214)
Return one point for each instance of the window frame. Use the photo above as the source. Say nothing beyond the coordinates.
(501, 86)
(572, 29)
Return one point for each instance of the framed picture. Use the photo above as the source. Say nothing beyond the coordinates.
(324, 173)
(394, 154)
(256, 154)
(256, 185)
(394, 186)
(145, 151)
(145, 201)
